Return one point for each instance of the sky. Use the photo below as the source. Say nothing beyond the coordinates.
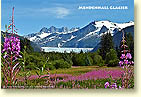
(32, 15)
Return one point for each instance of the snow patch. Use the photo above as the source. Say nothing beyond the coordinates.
(52, 38)
(43, 35)
(124, 25)
(64, 41)
(112, 25)
(32, 38)
(59, 45)
(72, 37)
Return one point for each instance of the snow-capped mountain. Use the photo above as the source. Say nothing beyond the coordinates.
(88, 36)
(44, 32)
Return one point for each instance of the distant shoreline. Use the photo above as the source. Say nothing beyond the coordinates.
(103, 7)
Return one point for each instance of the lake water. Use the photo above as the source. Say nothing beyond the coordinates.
(62, 50)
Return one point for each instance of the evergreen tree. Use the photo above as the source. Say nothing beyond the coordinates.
(106, 44)
(67, 58)
(81, 51)
(111, 58)
(118, 51)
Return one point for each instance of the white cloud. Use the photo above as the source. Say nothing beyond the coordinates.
(58, 12)
(62, 12)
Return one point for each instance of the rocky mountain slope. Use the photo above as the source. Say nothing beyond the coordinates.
(88, 36)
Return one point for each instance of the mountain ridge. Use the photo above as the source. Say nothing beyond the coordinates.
(88, 36)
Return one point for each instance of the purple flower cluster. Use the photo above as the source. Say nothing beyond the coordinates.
(112, 86)
(97, 74)
(92, 75)
(125, 59)
(127, 56)
(11, 47)
(11, 52)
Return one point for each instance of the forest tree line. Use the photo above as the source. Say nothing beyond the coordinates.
(106, 55)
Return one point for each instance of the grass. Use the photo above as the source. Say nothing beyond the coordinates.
(75, 70)
(79, 70)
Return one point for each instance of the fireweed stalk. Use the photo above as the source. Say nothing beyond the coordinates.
(11, 52)
(125, 63)
(10, 56)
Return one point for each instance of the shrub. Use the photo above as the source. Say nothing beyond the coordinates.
(51, 67)
(78, 60)
(88, 61)
(61, 64)
(34, 60)
(113, 63)
(82, 60)
(101, 64)
(98, 60)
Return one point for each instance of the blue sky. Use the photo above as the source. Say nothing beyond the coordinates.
(31, 15)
